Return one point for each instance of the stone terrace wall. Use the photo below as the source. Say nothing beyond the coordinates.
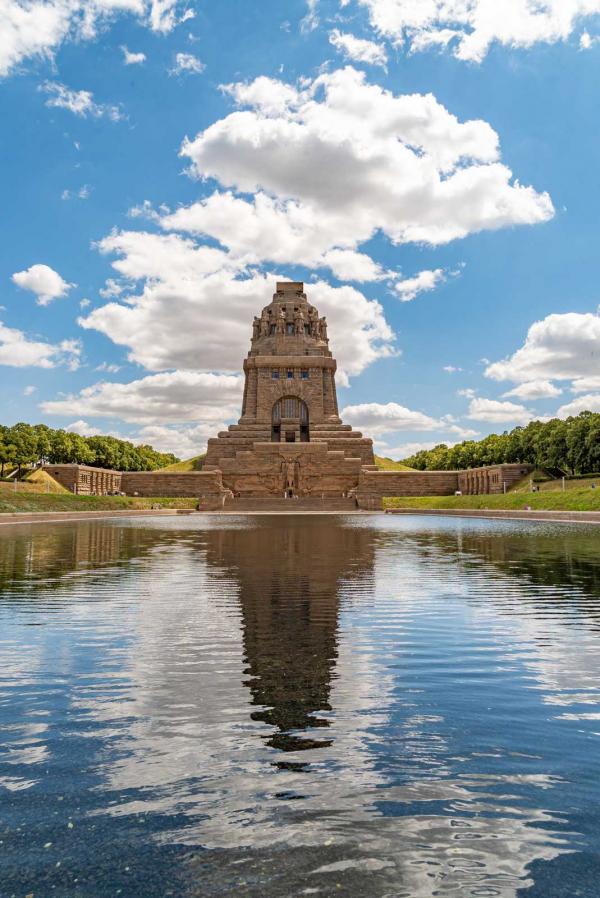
(373, 486)
(315, 470)
(200, 484)
(491, 479)
(85, 480)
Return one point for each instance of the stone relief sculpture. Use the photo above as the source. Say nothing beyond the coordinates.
(289, 466)
(281, 322)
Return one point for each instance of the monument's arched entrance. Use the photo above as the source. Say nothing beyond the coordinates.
(289, 420)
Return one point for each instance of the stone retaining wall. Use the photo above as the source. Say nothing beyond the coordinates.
(373, 486)
(192, 484)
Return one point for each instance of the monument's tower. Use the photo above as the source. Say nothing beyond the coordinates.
(290, 439)
(290, 373)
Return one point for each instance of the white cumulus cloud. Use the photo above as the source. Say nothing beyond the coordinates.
(42, 280)
(130, 58)
(169, 398)
(79, 102)
(181, 281)
(186, 64)
(375, 418)
(37, 28)
(559, 347)
(357, 49)
(409, 288)
(495, 412)
(19, 351)
(471, 27)
(83, 428)
(356, 159)
(405, 450)
(534, 389)
(283, 232)
(184, 442)
(588, 403)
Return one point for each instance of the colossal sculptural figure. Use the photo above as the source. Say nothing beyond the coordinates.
(290, 405)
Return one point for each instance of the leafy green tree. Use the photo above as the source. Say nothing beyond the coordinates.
(578, 447)
(44, 442)
(7, 449)
(24, 439)
(571, 445)
(25, 445)
(592, 443)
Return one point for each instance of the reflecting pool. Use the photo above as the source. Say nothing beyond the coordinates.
(280, 706)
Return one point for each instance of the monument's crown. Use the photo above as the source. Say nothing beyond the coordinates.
(289, 325)
(288, 291)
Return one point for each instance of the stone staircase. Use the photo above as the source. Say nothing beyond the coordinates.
(290, 506)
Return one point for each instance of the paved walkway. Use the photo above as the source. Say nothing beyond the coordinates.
(54, 517)
(579, 517)
(45, 517)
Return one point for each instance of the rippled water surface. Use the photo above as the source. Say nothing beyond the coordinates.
(314, 705)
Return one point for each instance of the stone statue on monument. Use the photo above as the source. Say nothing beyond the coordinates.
(281, 322)
(289, 471)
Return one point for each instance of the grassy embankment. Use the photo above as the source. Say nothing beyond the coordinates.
(32, 500)
(388, 464)
(184, 467)
(40, 492)
(578, 495)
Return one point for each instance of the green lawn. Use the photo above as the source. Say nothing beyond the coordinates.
(28, 501)
(388, 464)
(571, 500)
(183, 467)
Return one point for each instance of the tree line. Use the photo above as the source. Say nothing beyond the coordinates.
(571, 445)
(24, 445)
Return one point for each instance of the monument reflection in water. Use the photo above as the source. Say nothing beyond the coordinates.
(299, 705)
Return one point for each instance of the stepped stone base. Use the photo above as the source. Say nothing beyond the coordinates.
(290, 506)
(300, 470)
(244, 437)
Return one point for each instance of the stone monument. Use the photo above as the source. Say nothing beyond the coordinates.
(290, 441)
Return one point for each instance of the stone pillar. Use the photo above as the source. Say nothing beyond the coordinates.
(251, 388)
(245, 399)
(334, 393)
(329, 404)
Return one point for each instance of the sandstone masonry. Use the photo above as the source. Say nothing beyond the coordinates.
(290, 441)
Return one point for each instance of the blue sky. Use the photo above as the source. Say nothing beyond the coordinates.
(434, 180)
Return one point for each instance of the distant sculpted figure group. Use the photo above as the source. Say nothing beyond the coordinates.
(315, 326)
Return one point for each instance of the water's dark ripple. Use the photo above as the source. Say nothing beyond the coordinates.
(289, 706)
